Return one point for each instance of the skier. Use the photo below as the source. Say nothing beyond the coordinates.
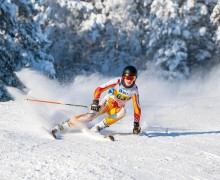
(120, 90)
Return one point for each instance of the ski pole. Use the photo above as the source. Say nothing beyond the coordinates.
(53, 102)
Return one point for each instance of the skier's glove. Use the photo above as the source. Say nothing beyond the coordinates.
(95, 105)
(136, 129)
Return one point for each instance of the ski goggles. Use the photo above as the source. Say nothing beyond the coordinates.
(129, 77)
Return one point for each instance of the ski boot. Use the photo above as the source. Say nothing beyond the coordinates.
(60, 127)
(99, 126)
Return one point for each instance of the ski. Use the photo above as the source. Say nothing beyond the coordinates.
(92, 134)
(97, 135)
(53, 133)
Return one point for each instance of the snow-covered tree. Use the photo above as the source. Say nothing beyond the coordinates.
(215, 20)
(180, 36)
(119, 45)
(22, 42)
(201, 44)
(166, 48)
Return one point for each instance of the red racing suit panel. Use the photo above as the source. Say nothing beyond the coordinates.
(105, 87)
(137, 109)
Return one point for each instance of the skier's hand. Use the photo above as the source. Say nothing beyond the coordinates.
(136, 129)
(95, 105)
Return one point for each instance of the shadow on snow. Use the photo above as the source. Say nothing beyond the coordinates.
(169, 132)
(174, 134)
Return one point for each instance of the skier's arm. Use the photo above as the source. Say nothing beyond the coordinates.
(99, 90)
(137, 113)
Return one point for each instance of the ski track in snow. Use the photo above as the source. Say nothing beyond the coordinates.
(180, 139)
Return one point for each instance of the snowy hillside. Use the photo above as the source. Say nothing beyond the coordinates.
(180, 138)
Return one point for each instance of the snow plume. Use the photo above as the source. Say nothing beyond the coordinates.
(181, 105)
(42, 88)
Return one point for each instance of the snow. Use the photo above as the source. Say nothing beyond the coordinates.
(218, 34)
(204, 10)
(180, 132)
(202, 31)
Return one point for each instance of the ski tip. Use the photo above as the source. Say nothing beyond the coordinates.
(53, 133)
(110, 137)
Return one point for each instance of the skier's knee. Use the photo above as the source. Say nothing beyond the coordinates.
(115, 117)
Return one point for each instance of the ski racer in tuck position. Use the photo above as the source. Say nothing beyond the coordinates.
(120, 91)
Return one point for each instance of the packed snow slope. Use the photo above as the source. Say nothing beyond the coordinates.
(180, 136)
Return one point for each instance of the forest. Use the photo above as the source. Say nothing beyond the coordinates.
(61, 39)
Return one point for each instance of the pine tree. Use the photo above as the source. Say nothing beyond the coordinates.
(181, 36)
(200, 40)
(22, 43)
(9, 61)
(166, 45)
(215, 20)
